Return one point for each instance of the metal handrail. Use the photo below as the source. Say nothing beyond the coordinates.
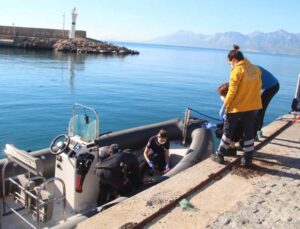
(34, 178)
(3, 186)
(186, 123)
(40, 188)
(39, 203)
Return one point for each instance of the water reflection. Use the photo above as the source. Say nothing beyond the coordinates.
(68, 63)
(71, 62)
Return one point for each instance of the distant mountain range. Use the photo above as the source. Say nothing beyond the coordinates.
(280, 42)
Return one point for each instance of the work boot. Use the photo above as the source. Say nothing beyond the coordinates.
(246, 162)
(240, 145)
(217, 157)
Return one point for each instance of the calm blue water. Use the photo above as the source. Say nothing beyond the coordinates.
(39, 88)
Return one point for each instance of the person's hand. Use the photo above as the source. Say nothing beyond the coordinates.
(209, 125)
(150, 164)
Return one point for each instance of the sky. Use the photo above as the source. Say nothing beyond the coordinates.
(143, 20)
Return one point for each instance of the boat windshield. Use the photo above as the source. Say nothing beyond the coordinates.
(84, 124)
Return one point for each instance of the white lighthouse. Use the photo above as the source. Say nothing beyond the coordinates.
(74, 16)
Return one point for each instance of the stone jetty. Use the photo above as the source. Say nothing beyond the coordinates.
(86, 45)
(33, 42)
(41, 38)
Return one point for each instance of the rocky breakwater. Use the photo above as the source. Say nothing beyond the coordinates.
(34, 42)
(81, 45)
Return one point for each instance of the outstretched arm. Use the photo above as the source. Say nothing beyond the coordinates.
(146, 154)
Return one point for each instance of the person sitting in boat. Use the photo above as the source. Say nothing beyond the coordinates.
(156, 153)
(119, 174)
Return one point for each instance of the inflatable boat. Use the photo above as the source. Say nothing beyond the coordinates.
(41, 188)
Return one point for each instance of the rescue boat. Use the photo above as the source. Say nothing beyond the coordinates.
(57, 187)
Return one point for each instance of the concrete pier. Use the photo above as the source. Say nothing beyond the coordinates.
(265, 196)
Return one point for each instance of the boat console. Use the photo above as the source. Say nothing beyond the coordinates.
(75, 162)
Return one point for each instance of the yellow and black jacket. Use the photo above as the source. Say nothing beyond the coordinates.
(244, 92)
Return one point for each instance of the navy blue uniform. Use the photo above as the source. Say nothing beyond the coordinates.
(270, 87)
(119, 174)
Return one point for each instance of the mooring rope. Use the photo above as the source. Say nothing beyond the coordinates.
(205, 115)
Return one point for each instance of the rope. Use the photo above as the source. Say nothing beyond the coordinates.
(207, 116)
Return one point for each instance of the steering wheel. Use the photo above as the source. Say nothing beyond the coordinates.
(59, 144)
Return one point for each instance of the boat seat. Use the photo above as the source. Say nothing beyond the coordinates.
(24, 159)
(31, 185)
(46, 211)
(21, 195)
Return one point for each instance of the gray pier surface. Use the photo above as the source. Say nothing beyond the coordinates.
(266, 196)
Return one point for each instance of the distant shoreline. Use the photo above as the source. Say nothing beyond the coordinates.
(276, 42)
(198, 47)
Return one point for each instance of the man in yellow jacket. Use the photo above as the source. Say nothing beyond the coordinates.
(241, 103)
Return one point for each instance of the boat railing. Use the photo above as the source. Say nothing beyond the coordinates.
(30, 195)
(186, 120)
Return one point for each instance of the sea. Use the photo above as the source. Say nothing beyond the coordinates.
(38, 88)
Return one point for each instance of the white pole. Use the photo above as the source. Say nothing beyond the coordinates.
(64, 17)
(14, 29)
(74, 15)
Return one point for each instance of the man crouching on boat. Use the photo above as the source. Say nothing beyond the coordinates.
(119, 174)
(156, 153)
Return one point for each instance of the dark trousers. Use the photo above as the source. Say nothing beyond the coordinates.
(107, 192)
(120, 181)
(238, 132)
(266, 98)
(231, 122)
(105, 195)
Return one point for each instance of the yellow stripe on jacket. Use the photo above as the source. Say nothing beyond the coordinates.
(244, 88)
